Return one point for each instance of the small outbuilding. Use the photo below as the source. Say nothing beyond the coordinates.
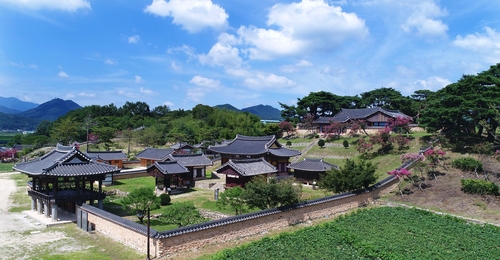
(240, 172)
(195, 163)
(310, 170)
(110, 157)
(149, 156)
(170, 175)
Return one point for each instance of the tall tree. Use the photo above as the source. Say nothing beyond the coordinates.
(182, 214)
(263, 194)
(324, 103)
(462, 105)
(233, 198)
(65, 130)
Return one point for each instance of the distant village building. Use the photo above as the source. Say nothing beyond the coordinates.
(240, 172)
(149, 156)
(111, 157)
(375, 117)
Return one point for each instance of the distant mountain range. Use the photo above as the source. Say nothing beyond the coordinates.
(21, 115)
(265, 112)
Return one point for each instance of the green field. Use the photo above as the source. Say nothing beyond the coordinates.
(379, 233)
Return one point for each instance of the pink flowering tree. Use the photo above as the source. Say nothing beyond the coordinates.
(435, 158)
(357, 126)
(334, 129)
(363, 146)
(415, 161)
(287, 127)
(399, 124)
(400, 173)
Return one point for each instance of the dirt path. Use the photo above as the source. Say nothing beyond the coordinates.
(21, 235)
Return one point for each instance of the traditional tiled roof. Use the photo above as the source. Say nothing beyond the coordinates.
(181, 145)
(254, 145)
(64, 161)
(190, 160)
(169, 167)
(107, 155)
(249, 167)
(360, 113)
(312, 165)
(154, 154)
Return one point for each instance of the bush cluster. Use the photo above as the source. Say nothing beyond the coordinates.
(482, 187)
(467, 164)
(164, 199)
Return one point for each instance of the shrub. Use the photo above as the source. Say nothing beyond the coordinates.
(483, 187)
(346, 144)
(467, 164)
(165, 199)
(288, 143)
(321, 143)
(316, 136)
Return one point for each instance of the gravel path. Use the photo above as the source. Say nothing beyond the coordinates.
(22, 236)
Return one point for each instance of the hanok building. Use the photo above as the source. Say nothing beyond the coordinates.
(170, 175)
(151, 155)
(183, 148)
(110, 157)
(195, 163)
(310, 170)
(239, 172)
(375, 117)
(252, 147)
(64, 178)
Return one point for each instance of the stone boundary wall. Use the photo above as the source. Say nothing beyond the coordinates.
(130, 175)
(190, 238)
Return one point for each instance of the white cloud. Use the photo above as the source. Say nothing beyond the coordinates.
(205, 82)
(146, 91)
(66, 5)
(305, 27)
(138, 79)
(175, 66)
(110, 61)
(168, 104)
(268, 81)
(222, 55)
(63, 74)
(70, 95)
(127, 93)
(297, 67)
(422, 21)
(486, 44)
(83, 94)
(332, 71)
(433, 83)
(134, 39)
(192, 15)
(195, 94)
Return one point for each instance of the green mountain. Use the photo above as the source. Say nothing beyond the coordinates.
(11, 105)
(15, 122)
(265, 112)
(51, 110)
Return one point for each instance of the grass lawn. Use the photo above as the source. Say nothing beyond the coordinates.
(6, 167)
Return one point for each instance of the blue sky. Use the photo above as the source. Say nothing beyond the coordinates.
(245, 53)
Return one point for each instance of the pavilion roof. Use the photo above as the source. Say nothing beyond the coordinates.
(358, 113)
(64, 161)
(168, 167)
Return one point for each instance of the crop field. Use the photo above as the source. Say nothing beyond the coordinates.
(379, 233)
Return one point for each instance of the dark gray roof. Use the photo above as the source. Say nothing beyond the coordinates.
(249, 167)
(169, 167)
(346, 113)
(190, 160)
(107, 155)
(312, 165)
(158, 154)
(64, 161)
(254, 145)
(181, 145)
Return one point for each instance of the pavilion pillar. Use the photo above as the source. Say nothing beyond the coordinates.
(99, 204)
(33, 204)
(46, 210)
(40, 206)
(54, 210)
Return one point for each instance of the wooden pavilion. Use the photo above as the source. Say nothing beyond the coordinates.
(170, 175)
(240, 172)
(310, 170)
(64, 178)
